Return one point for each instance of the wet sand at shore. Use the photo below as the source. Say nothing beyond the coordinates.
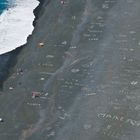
(86, 74)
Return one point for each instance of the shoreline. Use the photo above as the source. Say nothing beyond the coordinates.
(36, 11)
(11, 57)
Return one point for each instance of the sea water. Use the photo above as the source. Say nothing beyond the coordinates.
(16, 23)
(3, 5)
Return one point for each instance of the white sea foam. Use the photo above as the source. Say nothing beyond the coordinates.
(16, 24)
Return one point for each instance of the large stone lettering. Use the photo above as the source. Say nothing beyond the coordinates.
(130, 121)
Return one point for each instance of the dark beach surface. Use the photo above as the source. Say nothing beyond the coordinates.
(86, 75)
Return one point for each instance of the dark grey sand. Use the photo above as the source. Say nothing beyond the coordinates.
(88, 74)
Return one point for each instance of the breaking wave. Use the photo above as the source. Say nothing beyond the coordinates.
(16, 24)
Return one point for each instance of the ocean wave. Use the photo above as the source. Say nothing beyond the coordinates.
(16, 24)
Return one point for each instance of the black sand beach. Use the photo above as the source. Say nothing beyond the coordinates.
(82, 82)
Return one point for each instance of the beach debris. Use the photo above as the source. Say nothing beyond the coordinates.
(73, 47)
(87, 126)
(132, 32)
(51, 134)
(19, 71)
(91, 94)
(75, 61)
(50, 56)
(46, 94)
(64, 43)
(75, 70)
(42, 78)
(60, 107)
(134, 82)
(64, 116)
(41, 44)
(105, 6)
(47, 73)
(67, 55)
(73, 17)
(137, 107)
(11, 88)
(131, 49)
(35, 94)
(43, 97)
(62, 2)
(86, 35)
(47, 65)
(33, 104)
(1, 120)
(124, 58)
